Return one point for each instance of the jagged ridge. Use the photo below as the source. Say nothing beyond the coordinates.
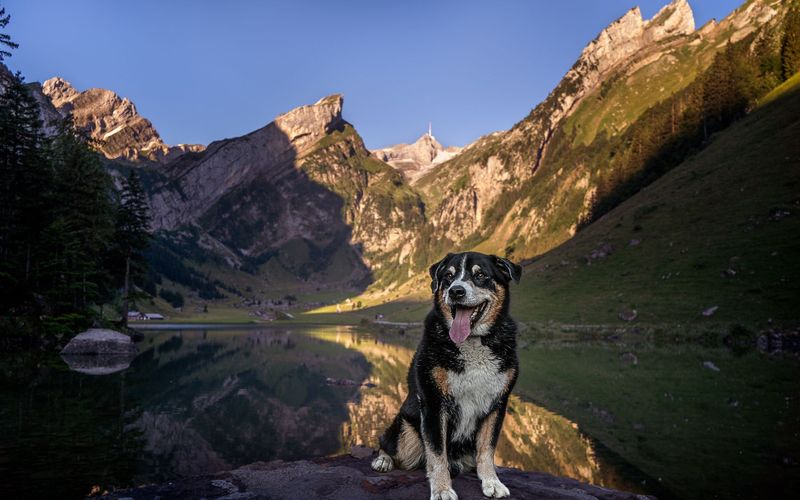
(113, 122)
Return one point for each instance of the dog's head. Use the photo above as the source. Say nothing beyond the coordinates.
(471, 291)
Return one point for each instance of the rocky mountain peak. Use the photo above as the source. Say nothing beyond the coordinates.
(630, 33)
(428, 146)
(617, 45)
(59, 91)
(617, 41)
(307, 124)
(743, 20)
(424, 149)
(113, 122)
(414, 160)
(676, 18)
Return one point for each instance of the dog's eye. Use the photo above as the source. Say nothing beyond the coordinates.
(448, 275)
(479, 275)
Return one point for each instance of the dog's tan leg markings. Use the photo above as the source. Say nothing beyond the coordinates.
(383, 462)
(490, 484)
(440, 378)
(410, 450)
(510, 374)
(437, 468)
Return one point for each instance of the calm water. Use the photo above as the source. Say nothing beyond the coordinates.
(199, 401)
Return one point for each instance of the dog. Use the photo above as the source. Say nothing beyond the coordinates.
(460, 377)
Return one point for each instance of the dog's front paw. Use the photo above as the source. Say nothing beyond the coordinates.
(493, 488)
(383, 463)
(448, 494)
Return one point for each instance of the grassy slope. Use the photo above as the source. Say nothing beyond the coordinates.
(621, 101)
(710, 214)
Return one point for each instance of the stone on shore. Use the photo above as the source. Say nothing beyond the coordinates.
(349, 478)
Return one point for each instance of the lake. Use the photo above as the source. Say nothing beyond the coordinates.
(198, 400)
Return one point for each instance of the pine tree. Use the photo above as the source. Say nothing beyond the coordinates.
(80, 236)
(25, 179)
(132, 235)
(5, 39)
(767, 54)
(790, 44)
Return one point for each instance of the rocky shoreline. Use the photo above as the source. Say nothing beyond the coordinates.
(348, 477)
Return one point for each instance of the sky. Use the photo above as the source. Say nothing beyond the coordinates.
(202, 71)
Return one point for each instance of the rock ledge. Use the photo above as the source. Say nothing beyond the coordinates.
(346, 477)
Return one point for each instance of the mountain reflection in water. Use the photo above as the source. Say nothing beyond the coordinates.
(532, 438)
(200, 401)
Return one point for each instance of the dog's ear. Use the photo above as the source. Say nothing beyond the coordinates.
(508, 269)
(434, 272)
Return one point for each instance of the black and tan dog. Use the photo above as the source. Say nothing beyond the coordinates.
(460, 377)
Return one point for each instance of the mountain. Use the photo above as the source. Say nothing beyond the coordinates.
(48, 113)
(415, 160)
(120, 131)
(708, 229)
(526, 190)
(302, 202)
(299, 199)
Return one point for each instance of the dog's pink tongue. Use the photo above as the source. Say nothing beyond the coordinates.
(459, 330)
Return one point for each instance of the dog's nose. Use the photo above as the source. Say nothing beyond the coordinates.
(457, 292)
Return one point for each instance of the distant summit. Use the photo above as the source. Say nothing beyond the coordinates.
(414, 160)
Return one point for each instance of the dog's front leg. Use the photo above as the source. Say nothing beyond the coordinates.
(434, 437)
(485, 446)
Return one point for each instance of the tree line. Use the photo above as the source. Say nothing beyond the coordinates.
(70, 239)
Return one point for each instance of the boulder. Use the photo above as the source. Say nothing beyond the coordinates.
(629, 358)
(100, 341)
(628, 314)
(347, 477)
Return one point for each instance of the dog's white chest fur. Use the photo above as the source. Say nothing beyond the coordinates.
(476, 388)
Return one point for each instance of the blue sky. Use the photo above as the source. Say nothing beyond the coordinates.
(202, 71)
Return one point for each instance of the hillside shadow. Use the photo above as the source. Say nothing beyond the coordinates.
(249, 194)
